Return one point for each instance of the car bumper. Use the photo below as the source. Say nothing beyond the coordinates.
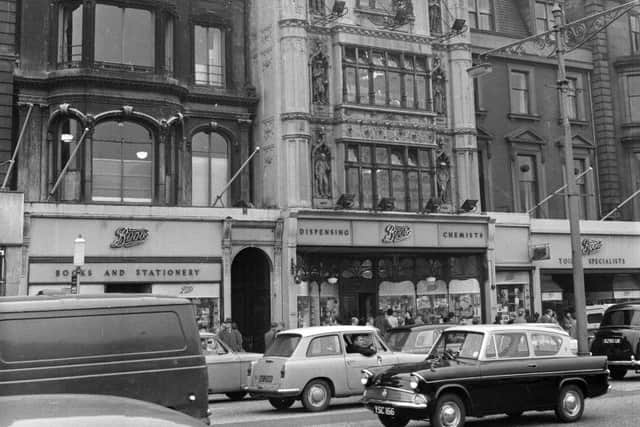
(631, 363)
(281, 392)
(395, 402)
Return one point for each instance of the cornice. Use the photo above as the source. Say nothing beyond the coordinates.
(295, 116)
(293, 22)
(383, 34)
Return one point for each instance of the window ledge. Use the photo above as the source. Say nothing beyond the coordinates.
(575, 122)
(521, 116)
(384, 108)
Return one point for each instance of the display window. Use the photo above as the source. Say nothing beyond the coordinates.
(207, 313)
(432, 300)
(317, 304)
(398, 296)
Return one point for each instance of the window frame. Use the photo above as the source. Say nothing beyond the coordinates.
(577, 99)
(224, 44)
(529, 73)
(428, 172)
(582, 151)
(211, 197)
(402, 70)
(547, 18)
(628, 111)
(477, 13)
(634, 31)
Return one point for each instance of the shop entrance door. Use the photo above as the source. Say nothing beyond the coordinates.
(250, 297)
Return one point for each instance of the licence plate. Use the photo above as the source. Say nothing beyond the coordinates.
(384, 410)
(611, 340)
(265, 378)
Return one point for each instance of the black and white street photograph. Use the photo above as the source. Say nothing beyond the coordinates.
(319, 213)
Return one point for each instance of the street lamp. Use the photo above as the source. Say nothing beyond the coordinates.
(78, 261)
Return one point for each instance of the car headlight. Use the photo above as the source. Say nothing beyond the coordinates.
(366, 377)
(420, 399)
(414, 382)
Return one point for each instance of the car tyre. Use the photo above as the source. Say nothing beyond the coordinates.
(393, 421)
(281, 403)
(236, 395)
(570, 404)
(316, 396)
(449, 412)
(617, 373)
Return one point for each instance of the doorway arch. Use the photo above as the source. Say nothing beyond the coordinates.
(250, 296)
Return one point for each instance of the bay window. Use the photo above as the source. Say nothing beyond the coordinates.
(373, 172)
(378, 77)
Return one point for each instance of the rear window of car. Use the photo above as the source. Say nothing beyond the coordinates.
(546, 344)
(594, 318)
(621, 318)
(49, 338)
(284, 345)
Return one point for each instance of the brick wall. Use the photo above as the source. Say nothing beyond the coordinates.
(7, 60)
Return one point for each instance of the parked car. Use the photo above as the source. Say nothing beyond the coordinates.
(108, 344)
(229, 371)
(480, 370)
(414, 338)
(95, 410)
(618, 338)
(595, 313)
(317, 363)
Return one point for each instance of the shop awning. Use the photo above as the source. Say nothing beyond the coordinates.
(396, 288)
(438, 287)
(469, 286)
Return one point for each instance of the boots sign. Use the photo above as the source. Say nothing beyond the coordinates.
(127, 237)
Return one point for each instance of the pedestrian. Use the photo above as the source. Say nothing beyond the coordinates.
(569, 324)
(370, 321)
(380, 322)
(547, 316)
(408, 318)
(270, 335)
(520, 316)
(418, 320)
(237, 337)
(498, 319)
(355, 321)
(225, 334)
(392, 321)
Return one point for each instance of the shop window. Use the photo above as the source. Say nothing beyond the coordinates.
(70, 34)
(209, 168)
(634, 23)
(575, 95)
(384, 78)
(209, 56)
(481, 14)
(374, 172)
(124, 36)
(544, 16)
(122, 163)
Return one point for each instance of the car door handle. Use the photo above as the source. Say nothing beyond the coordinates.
(532, 365)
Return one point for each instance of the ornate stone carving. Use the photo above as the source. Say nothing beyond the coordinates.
(322, 171)
(320, 79)
(438, 79)
(435, 17)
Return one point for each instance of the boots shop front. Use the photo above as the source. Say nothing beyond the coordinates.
(356, 268)
(129, 256)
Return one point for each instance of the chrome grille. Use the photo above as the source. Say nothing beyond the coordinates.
(392, 394)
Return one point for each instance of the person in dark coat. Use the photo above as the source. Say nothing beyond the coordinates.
(361, 345)
(237, 337)
(225, 333)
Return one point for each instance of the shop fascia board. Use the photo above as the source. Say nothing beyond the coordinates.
(561, 226)
(351, 215)
(99, 211)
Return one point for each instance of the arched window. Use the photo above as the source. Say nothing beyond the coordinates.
(209, 168)
(122, 163)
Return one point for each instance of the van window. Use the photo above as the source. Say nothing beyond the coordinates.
(45, 338)
(621, 318)
(283, 346)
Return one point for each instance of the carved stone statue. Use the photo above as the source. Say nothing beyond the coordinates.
(438, 82)
(320, 79)
(443, 177)
(435, 17)
(322, 173)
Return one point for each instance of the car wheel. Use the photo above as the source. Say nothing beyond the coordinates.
(570, 404)
(392, 421)
(280, 403)
(617, 373)
(316, 396)
(449, 412)
(236, 395)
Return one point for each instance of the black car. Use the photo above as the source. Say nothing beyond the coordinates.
(414, 338)
(618, 338)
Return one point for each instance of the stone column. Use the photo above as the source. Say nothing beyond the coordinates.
(227, 259)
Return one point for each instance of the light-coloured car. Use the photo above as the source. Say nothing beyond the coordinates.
(318, 363)
(229, 372)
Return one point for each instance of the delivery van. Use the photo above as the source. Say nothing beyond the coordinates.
(138, 346)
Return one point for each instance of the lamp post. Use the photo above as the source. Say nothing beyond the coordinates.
(78, 261)
(563, 38)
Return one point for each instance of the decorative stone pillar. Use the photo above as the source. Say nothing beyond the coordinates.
(277, 303)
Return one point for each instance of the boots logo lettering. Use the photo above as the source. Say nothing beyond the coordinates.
(396, 233)
(591, 246)
(127, 237)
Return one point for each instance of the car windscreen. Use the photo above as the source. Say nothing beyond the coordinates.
(621, 318)
(284, 345)
(462, 344)
(396, 339)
